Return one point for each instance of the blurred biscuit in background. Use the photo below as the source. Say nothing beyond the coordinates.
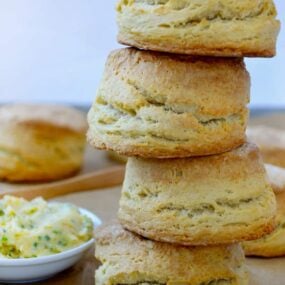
(273, 244)
(271, 142)
(276, 176)
(272, 145)
(40, 142)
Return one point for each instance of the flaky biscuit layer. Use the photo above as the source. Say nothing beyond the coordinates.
(199, 201)
(212, 28)
(155, 105)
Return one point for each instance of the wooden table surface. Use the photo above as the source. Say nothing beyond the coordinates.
(105, 204)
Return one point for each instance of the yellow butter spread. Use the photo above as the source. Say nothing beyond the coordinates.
(37, 228)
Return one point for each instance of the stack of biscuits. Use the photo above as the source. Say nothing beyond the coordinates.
(176, 105)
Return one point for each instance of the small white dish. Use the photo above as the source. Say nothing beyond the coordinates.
(25, 270)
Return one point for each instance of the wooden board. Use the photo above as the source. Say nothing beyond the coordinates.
(105, 204)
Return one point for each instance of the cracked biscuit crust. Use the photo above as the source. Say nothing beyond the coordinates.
(130, 259)
(40, 142)
(273, 244)
(156, 105)
(211, 27)
(217, 199)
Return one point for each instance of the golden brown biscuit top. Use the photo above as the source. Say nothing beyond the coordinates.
(182, 82)
(112, 233)
(201, 9)
(237, 164)
(41, 114)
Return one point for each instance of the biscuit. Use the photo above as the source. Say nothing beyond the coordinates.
(276, 176)
(130, 259)
(271, 143)
(271, 245)
(40, 142)
(217, 199)
(156, 105)
(195, 27)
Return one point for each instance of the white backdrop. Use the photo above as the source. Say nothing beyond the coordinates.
(55, 50)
